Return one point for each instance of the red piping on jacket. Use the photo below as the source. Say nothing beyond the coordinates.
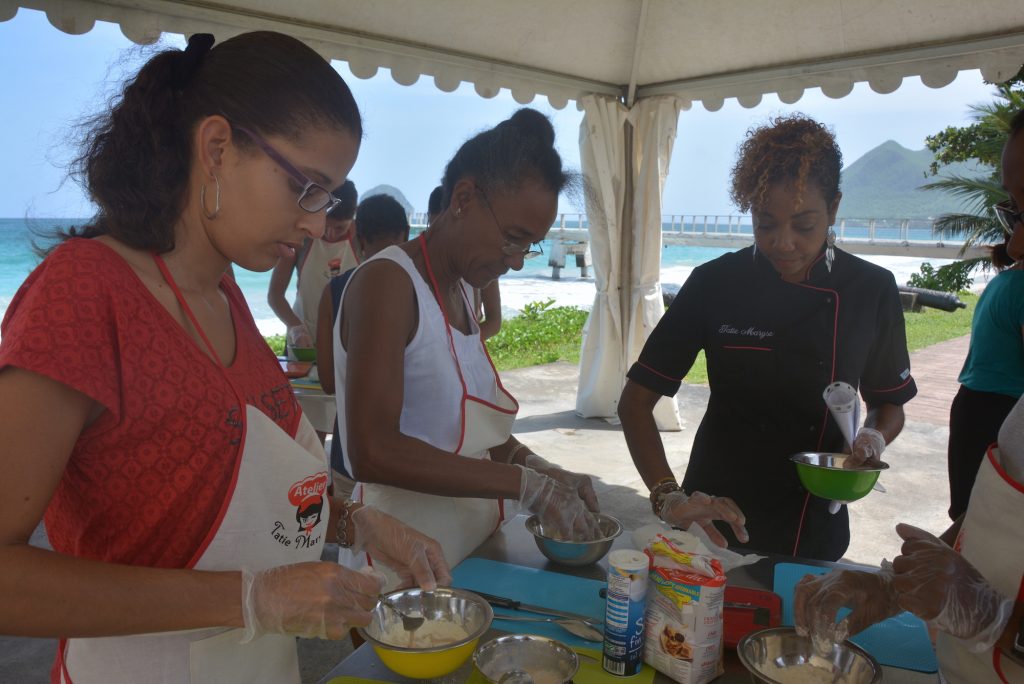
(832, 378)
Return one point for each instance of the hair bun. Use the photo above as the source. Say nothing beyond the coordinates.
(533, 123)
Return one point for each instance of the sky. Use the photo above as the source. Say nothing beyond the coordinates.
(50, 80)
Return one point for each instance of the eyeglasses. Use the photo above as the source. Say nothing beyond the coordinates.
(313, 197)
(511, 248)
(1008, 214)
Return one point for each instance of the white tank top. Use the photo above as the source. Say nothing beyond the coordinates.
(432, 394)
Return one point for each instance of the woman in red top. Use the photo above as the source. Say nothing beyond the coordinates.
(183, 491)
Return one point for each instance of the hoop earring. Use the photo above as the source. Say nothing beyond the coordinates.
(202, 200)
(830, 252)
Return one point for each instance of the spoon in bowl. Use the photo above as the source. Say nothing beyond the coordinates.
(410, 623)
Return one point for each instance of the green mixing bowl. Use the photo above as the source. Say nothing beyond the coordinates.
(823, 475)
(304, 353)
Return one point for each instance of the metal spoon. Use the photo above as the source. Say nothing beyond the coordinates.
(410, 623)
(575, 627)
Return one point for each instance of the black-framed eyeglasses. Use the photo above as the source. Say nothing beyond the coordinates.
(313, 197)
(511, 248)
(1008, 214)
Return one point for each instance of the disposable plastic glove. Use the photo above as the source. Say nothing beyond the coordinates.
(563, 514)
(415, 557)
(298, 336)
(315, 599)
(867, 449)
(581, 483)
(938, 585)
(682, 510)
(818, 598)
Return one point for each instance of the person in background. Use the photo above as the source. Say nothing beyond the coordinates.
(486, 300)
(992, 377)
(424, 419)
(434, 204)
(184, 492)
(968, 584)
(315, 261)
(779, 322)
(380, 222)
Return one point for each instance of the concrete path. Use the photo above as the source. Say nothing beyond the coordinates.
(916, 483)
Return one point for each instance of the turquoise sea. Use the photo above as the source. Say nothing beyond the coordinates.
(533, 283)
(17, 259)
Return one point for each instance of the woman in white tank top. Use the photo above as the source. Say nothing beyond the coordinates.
(422, 413)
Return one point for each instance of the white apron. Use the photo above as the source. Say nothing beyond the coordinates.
(993, 541)
(314, 274)
(459, 524)
(276, 513)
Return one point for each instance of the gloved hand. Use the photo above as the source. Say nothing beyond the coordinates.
(938, 585)
(818, 598)
(575, 481)
(682, 510)
(298, 336)
(563, 514)
(415, 557)
(315, 599)
(867, 449)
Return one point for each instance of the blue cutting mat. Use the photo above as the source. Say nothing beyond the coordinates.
(900, 641)
(539, 587)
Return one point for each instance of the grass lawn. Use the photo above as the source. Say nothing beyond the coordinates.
(544, 333)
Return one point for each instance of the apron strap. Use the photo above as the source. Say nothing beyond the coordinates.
(444, 312)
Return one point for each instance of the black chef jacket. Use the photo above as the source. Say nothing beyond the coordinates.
(772, 347)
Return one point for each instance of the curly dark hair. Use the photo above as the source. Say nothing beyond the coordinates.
(789, 148)
(135, 158)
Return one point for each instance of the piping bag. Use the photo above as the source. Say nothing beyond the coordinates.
(844, 405)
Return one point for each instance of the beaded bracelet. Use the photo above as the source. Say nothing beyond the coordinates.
(663, 488)
(342, 529)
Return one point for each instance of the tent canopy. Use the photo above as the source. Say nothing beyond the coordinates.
(633, 65)
(694, 49)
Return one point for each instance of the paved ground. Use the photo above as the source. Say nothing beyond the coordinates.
(917, 486)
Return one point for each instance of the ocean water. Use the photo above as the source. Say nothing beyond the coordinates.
(533, 283)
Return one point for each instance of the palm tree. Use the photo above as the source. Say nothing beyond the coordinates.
(981, 142)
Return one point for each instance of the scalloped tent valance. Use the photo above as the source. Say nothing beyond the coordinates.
(695, 50)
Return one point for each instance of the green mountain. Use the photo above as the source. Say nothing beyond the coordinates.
(388, 190)
(886, 181)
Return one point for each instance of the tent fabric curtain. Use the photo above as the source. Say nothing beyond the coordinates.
(619, 325)
(654, 133)
(602, 156)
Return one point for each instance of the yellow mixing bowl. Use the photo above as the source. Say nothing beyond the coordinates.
(463, 608)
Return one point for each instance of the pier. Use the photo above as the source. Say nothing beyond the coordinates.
(570, 238)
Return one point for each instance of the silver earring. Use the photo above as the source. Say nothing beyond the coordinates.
(753, 252)
(202, 199)
(830, 252)
(458, 211)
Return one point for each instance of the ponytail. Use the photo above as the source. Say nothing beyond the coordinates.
(135, 159)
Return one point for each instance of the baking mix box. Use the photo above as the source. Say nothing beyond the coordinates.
(683, 620)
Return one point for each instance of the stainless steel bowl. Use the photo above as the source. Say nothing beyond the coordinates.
(464, 608)
(576, 553)
(769, 654)
(540, 658)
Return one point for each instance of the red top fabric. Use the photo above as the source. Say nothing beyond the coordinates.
(147, 480)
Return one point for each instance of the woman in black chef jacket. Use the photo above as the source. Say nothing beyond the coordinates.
(778, 322)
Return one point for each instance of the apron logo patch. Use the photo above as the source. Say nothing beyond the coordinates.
(905, 374)
(307, 495)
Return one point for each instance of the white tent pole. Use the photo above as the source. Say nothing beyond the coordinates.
(626, 243)
(641, 26)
